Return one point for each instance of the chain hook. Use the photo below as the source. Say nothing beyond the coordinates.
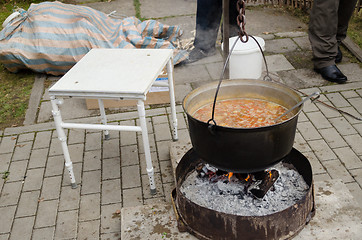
(241, 20)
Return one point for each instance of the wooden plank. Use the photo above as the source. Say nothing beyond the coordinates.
(353, 48)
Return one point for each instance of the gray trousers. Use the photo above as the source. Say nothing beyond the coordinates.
(327, 28)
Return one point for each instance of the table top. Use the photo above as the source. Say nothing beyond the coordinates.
(113, 73)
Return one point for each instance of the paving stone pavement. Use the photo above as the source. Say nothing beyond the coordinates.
(37, 202)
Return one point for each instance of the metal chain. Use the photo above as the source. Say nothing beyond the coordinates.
(241, 20)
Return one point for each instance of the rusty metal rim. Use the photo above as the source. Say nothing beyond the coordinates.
(183, 227)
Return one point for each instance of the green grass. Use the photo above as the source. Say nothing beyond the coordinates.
(355, 28)
(15, 90)
(137, 6)
(7, 6)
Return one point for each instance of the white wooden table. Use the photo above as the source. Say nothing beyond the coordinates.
(114, 74)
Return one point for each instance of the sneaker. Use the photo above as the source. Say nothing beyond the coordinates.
(196, 54)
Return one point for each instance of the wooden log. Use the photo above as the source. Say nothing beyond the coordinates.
(266, 183)
(353, 48)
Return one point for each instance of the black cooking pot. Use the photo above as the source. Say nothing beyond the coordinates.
(243, 150)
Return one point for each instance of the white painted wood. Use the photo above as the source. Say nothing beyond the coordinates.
(113, 73)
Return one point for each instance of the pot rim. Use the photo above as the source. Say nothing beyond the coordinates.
(231, 81)
(244, 129)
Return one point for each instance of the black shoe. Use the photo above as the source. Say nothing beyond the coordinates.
(339, 56)
(196, 54)
(332, 74)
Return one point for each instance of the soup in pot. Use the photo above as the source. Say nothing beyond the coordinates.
(242, 113)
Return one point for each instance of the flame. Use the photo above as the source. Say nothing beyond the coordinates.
(270, 174)
(230, 174)
(247, 178)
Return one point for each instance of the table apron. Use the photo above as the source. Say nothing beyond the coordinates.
(122, 96)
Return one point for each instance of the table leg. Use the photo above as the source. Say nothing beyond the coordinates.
(63, 139)
(104, 118)
(146, 145)
(172, 99)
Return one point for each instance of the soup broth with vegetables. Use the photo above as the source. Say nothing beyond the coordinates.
(242, 113)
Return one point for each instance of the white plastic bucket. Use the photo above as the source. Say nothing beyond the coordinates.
(246, 60)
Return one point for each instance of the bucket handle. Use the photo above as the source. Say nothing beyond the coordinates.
(211, 122)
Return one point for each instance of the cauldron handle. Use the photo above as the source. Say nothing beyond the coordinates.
(212, 126)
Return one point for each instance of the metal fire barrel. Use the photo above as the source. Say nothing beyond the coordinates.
(205, 223)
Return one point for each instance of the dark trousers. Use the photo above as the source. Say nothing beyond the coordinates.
(208, 17)
(327, 28)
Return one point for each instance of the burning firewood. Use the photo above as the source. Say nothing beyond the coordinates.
(258, 184)
(266, 183)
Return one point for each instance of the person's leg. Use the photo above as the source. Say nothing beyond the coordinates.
(233, 14)
(323, 38)
(208, 18)
(233, 24)
(345, 12)
(322, 32)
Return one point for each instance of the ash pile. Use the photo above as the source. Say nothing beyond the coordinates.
(257, 194)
